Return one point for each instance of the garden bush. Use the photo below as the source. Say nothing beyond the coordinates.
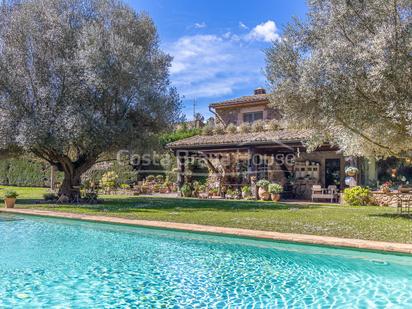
(125, 174)
(358, 196)
(263, 183)
(26, 172)
(207, 130)
(245, 127)
(186, 190)
(231, 128)
(179, 134)
(275, 188)
(258, 126)
(219, 129)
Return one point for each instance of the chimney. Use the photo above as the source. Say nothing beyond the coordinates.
(260, 91)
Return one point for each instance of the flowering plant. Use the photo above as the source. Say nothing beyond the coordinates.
(351, 170)
(386, 186)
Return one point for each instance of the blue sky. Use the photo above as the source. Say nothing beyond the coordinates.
(218, 45)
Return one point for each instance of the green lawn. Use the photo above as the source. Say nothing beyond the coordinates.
(375, 223)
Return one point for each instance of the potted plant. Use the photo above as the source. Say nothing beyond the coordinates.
(150, 178)
(159, 178)
(186, 190)
(275, 189)
(351, 171)
(163, 189)
(386, 187)
(230, 194)
(263, 185)
(10, 198)
(156, 188)
(169, 185)
(196, 189)
(246, 192)
(405, 188)
(214, 192)
(202, 192)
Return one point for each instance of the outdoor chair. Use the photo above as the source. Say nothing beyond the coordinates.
(404, 203)
(322, 193)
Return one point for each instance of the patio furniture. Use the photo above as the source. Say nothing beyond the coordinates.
(320, 193)
(404, 204)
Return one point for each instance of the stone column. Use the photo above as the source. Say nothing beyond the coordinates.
(252, 171)
(180, 156)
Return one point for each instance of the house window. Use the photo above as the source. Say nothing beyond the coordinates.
(251, 117)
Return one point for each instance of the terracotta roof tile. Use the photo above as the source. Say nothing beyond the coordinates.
(245, 99)
(239, 139)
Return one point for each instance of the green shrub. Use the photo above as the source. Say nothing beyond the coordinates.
(358, 196)
(207, 130)
(246, 189)
(275, 188)
(108, 180)
(274, 125)
(177, 135)
(4, 169)
(219, 129)
(125, 174)
(50, 196)
(245, 127)
(231, 128)
(160, 178)
(186, 190)
(26, 171)
(263, 183)
(150, 178)
(10, 194)
(258, 126)
(124, 186)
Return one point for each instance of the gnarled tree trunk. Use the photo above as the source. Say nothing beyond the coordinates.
(72, 169)
(72, 175)
(70, 186)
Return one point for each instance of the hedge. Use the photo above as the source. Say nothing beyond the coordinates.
(125, 173)
(25, 172)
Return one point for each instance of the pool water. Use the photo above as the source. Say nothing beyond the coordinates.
(72, 264)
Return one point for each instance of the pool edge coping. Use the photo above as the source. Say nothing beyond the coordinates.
(259, 234)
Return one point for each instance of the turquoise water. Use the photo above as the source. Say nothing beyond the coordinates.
(71, 264)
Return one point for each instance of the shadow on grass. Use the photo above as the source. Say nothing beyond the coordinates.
(144, 204)
(393, 216)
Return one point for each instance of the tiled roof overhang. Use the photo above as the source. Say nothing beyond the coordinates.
(275, 138)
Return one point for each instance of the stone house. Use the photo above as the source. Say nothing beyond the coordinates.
(281, 156)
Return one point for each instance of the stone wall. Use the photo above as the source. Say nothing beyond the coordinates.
(386, 199)
(235, 115)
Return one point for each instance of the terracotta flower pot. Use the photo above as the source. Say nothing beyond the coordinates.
(9, 202)
(275, 197)
(263, 194)
(386, 190)
(246, 194)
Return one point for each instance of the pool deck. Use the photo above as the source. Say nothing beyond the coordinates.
(287, 237)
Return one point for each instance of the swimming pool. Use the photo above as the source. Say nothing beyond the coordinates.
(66, 263)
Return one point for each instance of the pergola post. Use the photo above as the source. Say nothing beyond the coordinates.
(180, 171)
(252, 171)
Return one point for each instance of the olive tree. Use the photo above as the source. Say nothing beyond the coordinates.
(79, 79)
(346, 72)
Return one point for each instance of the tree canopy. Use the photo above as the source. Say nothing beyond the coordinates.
(346, 71)
(80, 78)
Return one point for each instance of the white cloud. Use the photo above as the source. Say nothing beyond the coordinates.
(213, 65)
(267, 32)
(243, 26)
(200, 25)
(207, 66)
